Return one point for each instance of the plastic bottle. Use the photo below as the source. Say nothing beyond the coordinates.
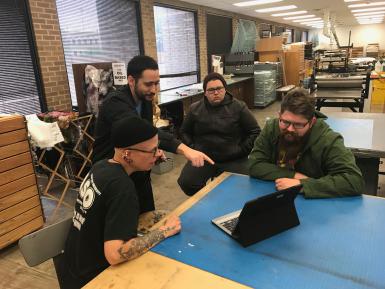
(378, 66)
(383, 65)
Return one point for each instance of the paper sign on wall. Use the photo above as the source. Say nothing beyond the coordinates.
(120, 73)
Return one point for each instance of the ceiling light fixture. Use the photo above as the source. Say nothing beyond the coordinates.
(366, 23)
(352, 0)
(310, 19)
(289, 13)
(368, 9)
(278, 8)
(370, 16)
(298, 17)
(311, 23)
(373, 19)
(255, 2)
(366, 4)
(369, 13)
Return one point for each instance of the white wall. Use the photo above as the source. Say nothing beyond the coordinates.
(361, 35)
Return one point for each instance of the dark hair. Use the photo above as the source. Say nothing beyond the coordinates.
(138, 64)
(213, 76)
(299, 101)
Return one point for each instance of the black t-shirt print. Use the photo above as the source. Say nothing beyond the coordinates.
(106, 209)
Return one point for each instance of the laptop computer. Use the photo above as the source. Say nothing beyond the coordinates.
(262, 217)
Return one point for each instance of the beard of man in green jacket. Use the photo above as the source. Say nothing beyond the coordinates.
(298, 147)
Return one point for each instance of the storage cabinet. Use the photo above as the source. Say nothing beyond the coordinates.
(20, 206)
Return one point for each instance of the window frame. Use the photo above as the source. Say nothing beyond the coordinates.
(24, 7)
(197, 56)
(34, 56)
(138, 13)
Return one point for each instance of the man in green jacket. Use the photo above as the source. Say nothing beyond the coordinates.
(300, 148)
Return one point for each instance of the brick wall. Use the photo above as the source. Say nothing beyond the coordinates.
(148, 27)
(50, 54)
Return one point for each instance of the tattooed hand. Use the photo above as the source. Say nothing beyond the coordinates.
(171, 226)
(117, 251)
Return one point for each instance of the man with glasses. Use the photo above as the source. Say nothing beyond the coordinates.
(223, 128)
(298, 147)
(107, 217)
(136, 98)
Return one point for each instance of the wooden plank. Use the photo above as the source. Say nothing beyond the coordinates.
(12, 137)
(17, 185)
(16, 173)
(21, 231)
(20, 220)
(153, 271)
(14, 149)
(17, 275)
(15, 161)
(19, 208)
(18, 197)
(10, 123)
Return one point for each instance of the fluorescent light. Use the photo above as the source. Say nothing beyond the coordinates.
(366, 4)
(369, 13)
(311, 19)
(370, 21)
(366, 23)
(352, 0)
(313, 22)
(366, 20)
(255, 2)
(368, 9)
(289, 13)
(278, 8)
(371, 17)
(299, 17)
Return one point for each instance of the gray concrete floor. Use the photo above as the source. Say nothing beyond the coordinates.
(14, 272)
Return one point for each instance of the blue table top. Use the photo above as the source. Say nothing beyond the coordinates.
(340, 242)
(357, 133)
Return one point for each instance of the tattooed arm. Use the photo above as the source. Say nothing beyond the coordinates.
(117, 251)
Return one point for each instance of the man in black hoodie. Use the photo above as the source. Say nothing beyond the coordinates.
(136, 98)
(223, 128)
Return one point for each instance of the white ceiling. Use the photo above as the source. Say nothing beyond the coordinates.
(316, 7)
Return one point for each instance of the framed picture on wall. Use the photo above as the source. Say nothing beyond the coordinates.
(93, 81)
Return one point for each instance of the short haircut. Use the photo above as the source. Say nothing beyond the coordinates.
(298, 101)
(213, 76)
(138, 64)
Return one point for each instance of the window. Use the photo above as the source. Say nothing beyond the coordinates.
(97, 31)
(304, 36)
(290, 35)
(176, 44)
(20, 89)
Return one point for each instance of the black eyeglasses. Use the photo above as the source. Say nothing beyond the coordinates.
(154, 151)
(296, 125)
(214, 89)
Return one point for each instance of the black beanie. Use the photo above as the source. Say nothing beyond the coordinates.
(131, 130)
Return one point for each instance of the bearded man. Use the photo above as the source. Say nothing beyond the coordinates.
(135, 99)
(298, 147)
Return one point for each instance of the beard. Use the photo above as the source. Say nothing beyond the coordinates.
(290, 137)
(143, 96)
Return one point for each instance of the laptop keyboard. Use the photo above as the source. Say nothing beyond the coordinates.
(230, 224)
